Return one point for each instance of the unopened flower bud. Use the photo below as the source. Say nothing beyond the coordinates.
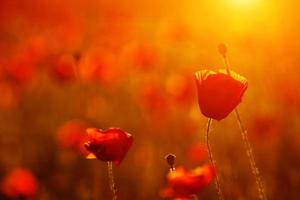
(170, 158)
(222, 49)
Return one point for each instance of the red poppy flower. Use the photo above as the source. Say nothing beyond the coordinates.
(184, 184)
(108, 145)
(19, 183)
(219, 93)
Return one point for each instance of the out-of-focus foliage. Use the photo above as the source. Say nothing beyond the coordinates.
(67, 65)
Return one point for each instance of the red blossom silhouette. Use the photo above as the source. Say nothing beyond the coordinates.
(20, 183)
(219, 93)
(184, 184)
(108, 145)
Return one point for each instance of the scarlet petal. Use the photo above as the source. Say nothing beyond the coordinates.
(219, 93)
(109, 145)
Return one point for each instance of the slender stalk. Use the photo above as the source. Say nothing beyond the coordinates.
(170, 158)
(254, 169)
(250, 154)
(213, 161)
(172, 170)
(111, 180)
(226, 63)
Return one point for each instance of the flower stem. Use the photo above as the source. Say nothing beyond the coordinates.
(213, 161)
(172, 170)
(255, 171)
(111, 180)
(254, 168)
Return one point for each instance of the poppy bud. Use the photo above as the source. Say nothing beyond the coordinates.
(170, 158)
(222, 49)
(108, 145)
(219, 93)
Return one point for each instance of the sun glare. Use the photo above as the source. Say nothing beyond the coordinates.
(243, 2)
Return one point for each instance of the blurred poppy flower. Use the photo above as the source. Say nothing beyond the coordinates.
(20, 183)
(219, 93)
(62, 68)
(197, 153)
(101, 68)
(72, 134)
(265, 128)
(184, 184)
(108, 145)
(151, 98)
(145, 57)
(180, 88)
(21, 68)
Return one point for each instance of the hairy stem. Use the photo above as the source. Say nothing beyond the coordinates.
(213, 161)
(250, 155)
(112, 184)
(246, 143)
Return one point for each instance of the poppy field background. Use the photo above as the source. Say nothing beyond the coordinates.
(66, 66)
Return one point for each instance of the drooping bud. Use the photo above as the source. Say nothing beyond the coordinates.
(170, 158)
(222, 49)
